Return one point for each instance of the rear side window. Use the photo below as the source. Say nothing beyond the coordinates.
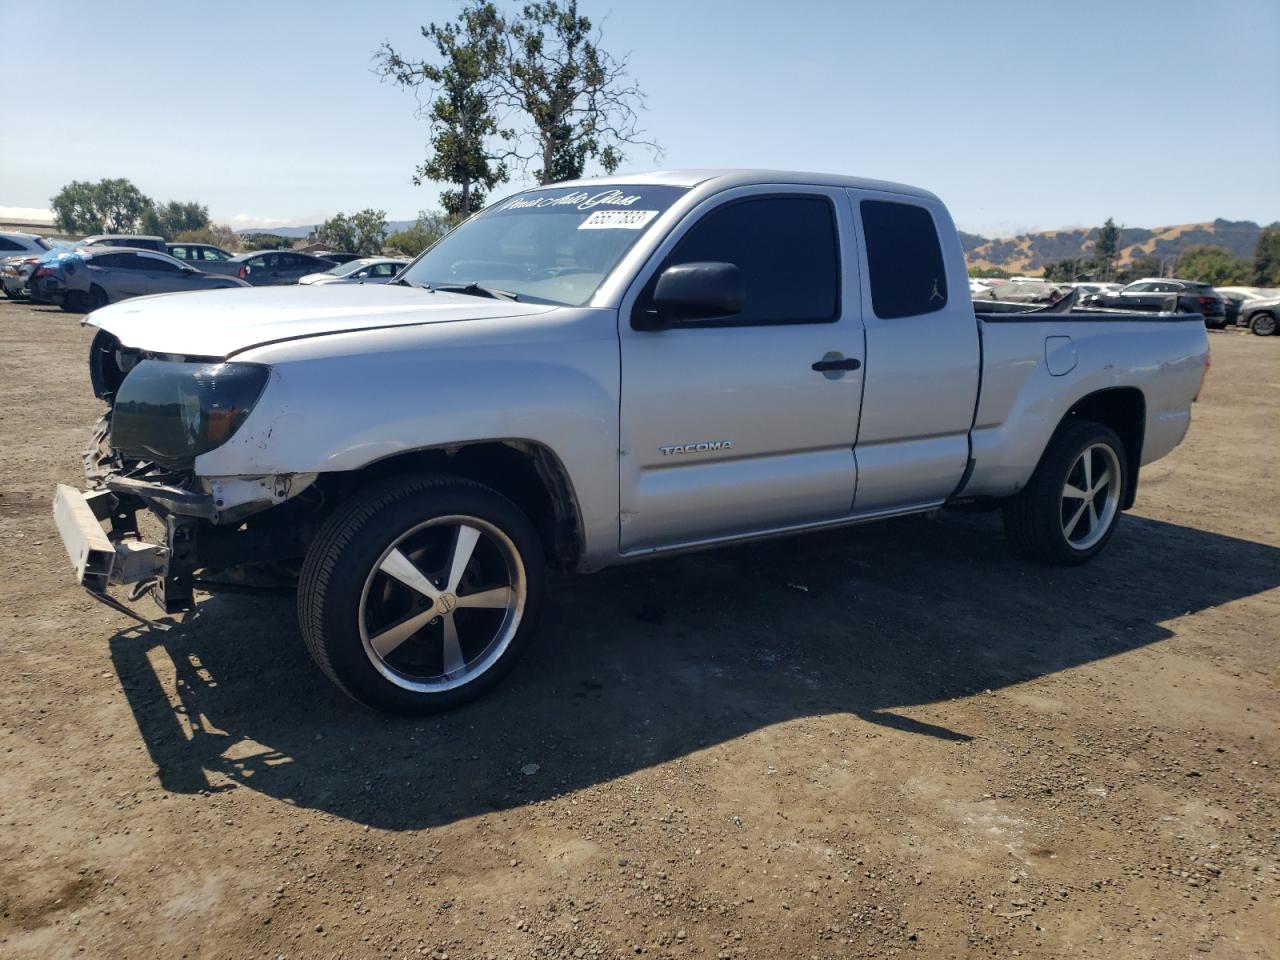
(211, 254)
(904, 259)
(179, 252)
(7, 244)
(786, 249)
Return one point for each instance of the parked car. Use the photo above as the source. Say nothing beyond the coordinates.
(1235, 297)
(206, 257)
(15, 272)
(23, 244)
(1024, 291)
(1261, 315)
(88, 278)
(135, 241)
(273, 267)
(365, 270)
(599, 372)
(1165, 294)
(336, 256)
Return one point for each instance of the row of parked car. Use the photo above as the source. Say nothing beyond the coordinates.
(1254, 308)
(107, 268)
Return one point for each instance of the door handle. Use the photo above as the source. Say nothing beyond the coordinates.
(822, 366)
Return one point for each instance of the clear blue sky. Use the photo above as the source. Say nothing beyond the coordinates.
(1020, 115)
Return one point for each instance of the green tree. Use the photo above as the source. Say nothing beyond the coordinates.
(426, 230)
(1138, 268)
(1212, 264)
(577, 99)
(462, 104)
(1069, 269)
(999, 273)
(1106, 248)
(108, 206)
(170, 219)
(360, 233)
(1266, 258)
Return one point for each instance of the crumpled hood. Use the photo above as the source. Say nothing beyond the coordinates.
(219, 323)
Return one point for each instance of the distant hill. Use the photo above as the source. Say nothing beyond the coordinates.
(300, 233)
(1029, 252)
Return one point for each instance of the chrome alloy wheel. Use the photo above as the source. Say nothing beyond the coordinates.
(1091, 496)
(442, 604)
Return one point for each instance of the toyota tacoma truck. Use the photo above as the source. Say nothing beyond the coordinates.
(589, 374)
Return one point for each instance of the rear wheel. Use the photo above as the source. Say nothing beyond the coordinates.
(421, 593)
(1069, 508)
(1264, 324)
(97, 298)
(73, 302)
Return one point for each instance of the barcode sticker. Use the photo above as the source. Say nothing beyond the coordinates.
(617, 220)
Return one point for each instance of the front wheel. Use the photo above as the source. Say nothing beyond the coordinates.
(1264, 324)
(420, 593)
(1068, 510)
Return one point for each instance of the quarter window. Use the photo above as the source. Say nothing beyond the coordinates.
(904, 259)
(787, 251)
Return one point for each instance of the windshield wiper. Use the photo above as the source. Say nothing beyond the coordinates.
(473, 290)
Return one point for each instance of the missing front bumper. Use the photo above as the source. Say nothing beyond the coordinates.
(98, 559)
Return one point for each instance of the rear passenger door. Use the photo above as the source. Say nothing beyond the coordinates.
(121, 275)
(726, 428)
(923, 362)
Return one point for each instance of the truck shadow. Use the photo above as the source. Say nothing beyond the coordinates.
(639, 665)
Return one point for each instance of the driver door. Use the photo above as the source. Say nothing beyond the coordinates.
(726, 427)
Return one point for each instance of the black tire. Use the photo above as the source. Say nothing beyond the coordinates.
(344, 577)
(97, 298)
(1263, 324)
(73, 302)
(1034, 519)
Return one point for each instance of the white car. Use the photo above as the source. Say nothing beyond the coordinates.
(19, 244)
(365, 270)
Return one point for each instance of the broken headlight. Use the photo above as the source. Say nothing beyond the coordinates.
(172, 412)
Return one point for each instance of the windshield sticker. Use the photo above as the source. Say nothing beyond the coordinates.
(617, 220)
(577, 198)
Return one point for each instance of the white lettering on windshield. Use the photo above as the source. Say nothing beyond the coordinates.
(579, 199)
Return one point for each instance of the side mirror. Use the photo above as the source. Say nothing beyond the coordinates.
(703, 290)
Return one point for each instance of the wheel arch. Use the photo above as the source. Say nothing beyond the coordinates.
(526, 472)
(1124, 410)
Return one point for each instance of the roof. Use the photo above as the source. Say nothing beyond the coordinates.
(121, 236)
(729, 177)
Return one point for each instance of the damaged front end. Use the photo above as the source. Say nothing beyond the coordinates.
(164, 412)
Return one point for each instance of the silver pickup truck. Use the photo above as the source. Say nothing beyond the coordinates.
(592, 373)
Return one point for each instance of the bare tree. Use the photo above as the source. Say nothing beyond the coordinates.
(577, 99)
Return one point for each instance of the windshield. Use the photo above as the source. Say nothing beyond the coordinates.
(551, 245)
(346, 269)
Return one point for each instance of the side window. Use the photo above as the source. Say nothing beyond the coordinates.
(787, 250)
(129, 261)
(7, 244)
(258, 263)
(904, 259)
(181, 253)
(211, 254)
(107, 261)
(1139, 288)
(384, 270)
(156, 265)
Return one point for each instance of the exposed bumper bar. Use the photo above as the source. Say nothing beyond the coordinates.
(99, 561)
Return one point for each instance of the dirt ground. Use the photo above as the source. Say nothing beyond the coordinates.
(898, 740)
